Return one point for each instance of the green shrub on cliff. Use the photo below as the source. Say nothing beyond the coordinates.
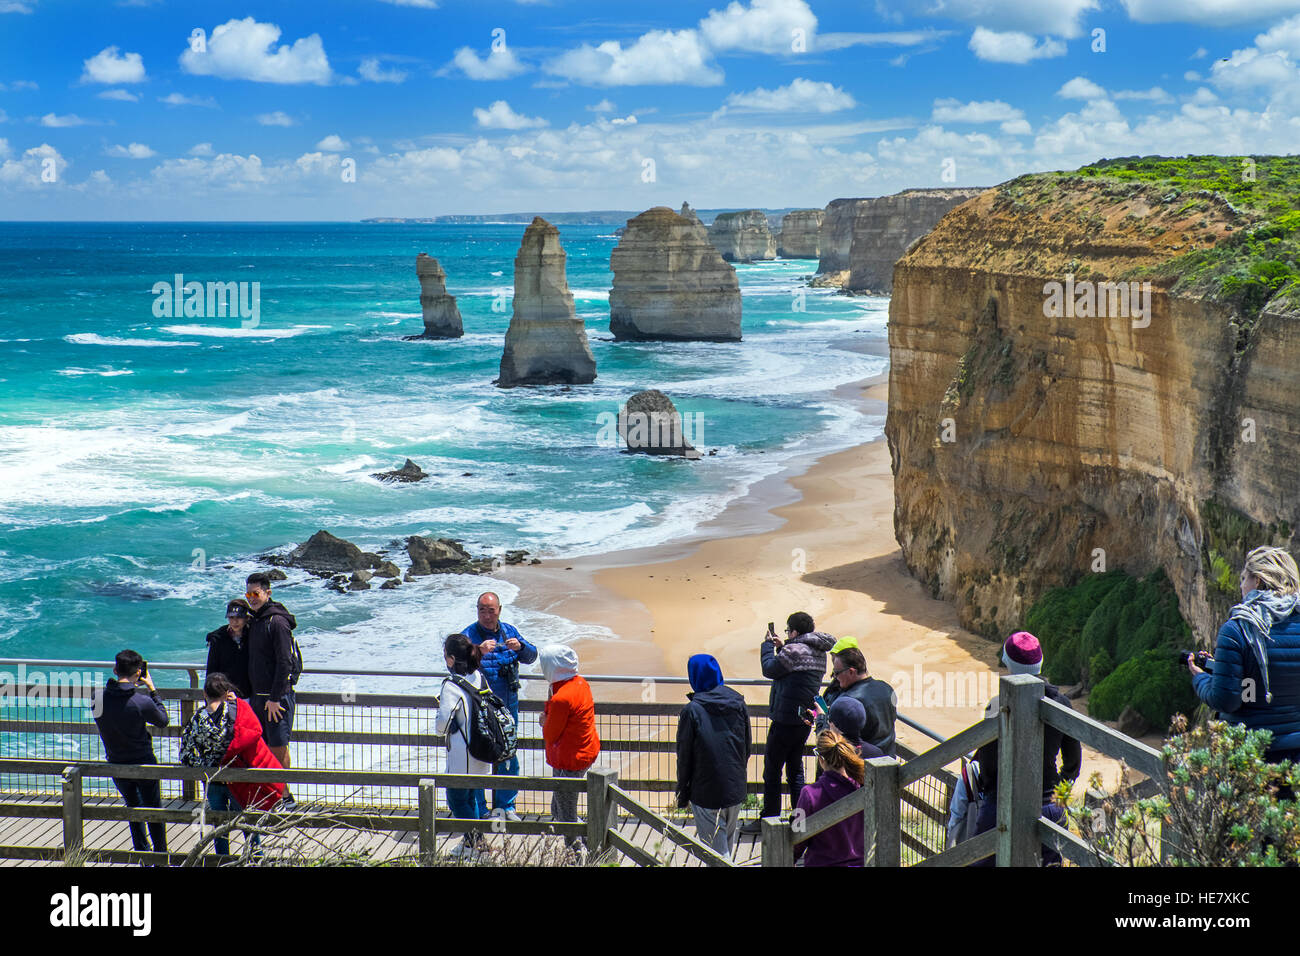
(1118, 635)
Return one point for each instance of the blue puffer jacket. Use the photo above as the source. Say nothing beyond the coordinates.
(501, 658)
(1236, 676)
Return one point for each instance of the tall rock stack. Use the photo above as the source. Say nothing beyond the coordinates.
(688, 213)
(671, 284)
(743, 236)
(441, 316)
(799, 233)
(546, 343)
(884, 228)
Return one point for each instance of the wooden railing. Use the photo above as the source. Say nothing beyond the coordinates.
(1021, 830)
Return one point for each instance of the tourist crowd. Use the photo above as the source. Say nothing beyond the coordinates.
(254, 664)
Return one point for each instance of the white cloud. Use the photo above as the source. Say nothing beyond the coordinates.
(1062, 18)
(55, 121)
(1081, 88)
(1013, 47)
(1155, 95)
(372, 70)
(765, 26)
(1213, 13)
(133, 151)
(201, 149)
(1017, 127)
(840, 41)
(800, 95)
(17, 86)
(1191, 76)
(1283, 36)
(4, 148)
(657, 57)
(27, 171)
(500, 116)
(180, 99)
(100, 178)
(604, 106)
(976, 111)
(333, 143)
(245, 50)
(107, 66)
(421, 4)
(276, 118)
(126, 96)
(499, 64)
(1200, 54)
(629, 120)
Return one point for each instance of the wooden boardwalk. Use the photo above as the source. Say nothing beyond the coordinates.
(47, 833)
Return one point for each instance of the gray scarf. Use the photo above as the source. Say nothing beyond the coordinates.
(1256, 615)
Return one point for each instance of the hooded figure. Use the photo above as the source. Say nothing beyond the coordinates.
(713, 740)
(849, 717)
(569, 717)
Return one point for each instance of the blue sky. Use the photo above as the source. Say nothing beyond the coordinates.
(341, 110)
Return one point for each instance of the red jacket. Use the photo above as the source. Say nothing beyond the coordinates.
(569, 726)
(247, 749)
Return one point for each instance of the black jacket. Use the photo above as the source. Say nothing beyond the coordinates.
(1054, 742)
(877, 699)
(796, 672)
(121, 716)
(225, 656)
(713, 739)
(270, 650)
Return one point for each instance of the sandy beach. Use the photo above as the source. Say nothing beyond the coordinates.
(820, 540)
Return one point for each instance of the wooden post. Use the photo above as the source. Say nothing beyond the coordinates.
(428, 815)
(883, 830)
(601, 811)
(73, 838)
(1020, 770)
(190, 788)
(778, 842)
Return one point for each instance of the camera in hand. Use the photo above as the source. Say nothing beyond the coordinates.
(1202, 659)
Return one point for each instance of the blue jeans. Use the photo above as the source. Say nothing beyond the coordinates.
(466, 804)
(505, 799)
(219, 799)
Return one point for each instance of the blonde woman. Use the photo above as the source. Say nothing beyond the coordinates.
(1254, 676)
(844, 772)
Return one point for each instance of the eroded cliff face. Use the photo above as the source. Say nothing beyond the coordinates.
(743, 236)
(835, 240)
(798, 236)
(883, 229)
(1028, 448)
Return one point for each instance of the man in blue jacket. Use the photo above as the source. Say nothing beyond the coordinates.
(122, 714)
(503, 651)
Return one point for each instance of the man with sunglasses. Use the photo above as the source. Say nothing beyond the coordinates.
(271, 665)
(503, 651)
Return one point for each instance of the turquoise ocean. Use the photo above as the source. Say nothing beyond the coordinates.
(146, 461)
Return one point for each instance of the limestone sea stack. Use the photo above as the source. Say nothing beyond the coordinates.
(743, 236)
(441, 316)
(799, 234)
(884, 228)
(670, 283)
(650, 424)
(546, 343)
(1070, 392)
(688, 213)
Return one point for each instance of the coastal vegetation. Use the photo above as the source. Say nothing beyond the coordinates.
(1118, 636)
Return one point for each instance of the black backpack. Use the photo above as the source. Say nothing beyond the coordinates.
(491, 736)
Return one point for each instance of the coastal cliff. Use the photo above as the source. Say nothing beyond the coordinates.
(798, 236)
(835, 240)
(1045, 425)
(670, 283)
(883, 228)
(743, 236)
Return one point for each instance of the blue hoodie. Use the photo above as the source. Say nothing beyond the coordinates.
(704, 672)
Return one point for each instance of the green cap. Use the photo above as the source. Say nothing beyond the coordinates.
(843, 644)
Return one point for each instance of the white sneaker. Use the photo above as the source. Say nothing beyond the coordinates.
(513, 817)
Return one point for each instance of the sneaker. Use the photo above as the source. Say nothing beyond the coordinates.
(463, 851)
(513, 817)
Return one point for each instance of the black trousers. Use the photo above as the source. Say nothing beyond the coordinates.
(144, 793)
(784, 752)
